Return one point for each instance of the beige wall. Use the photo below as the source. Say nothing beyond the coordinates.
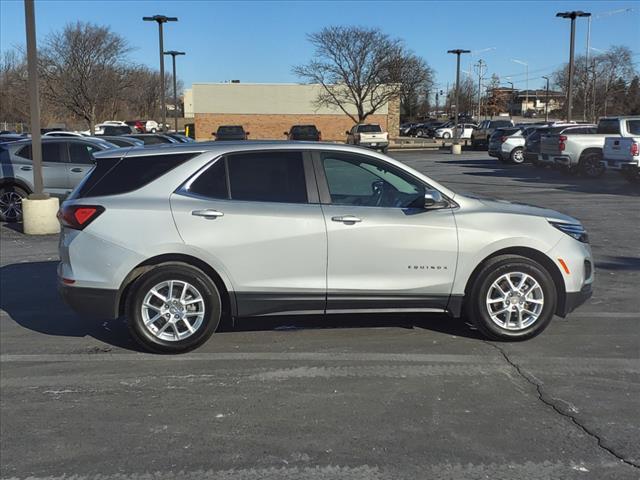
(260, 98)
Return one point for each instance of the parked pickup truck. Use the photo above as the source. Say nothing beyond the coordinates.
(623, 154)
(368, 135)
(580, 153)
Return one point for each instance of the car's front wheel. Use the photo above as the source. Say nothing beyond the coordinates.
(11, 197)
(446, 135)
(513, 298)
(173, 308)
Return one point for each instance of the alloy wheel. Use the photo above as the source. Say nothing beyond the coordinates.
(11, 205)
(173, 310)
(515, 301)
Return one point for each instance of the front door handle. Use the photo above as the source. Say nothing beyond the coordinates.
(28, 169)
(77, 170)
(348, 219)
(207, 213)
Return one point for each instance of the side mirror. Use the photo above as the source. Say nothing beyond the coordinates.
(286, 134)
(347, 132)
(213, 134)
(433, 200)
(247, 133)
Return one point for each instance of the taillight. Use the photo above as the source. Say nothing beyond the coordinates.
(503, 139)
(562, 139)
(78, 216)
(634, 149)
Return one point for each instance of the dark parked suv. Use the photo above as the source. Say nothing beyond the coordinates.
(230, 132)
(304, 132)
(483, 133)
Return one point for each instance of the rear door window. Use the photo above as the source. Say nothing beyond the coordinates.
(51, 152)
(82, 152)
(211, 183)
(267, 177)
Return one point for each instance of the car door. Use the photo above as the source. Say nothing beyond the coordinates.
(385, 250)
(54, 165)
(81, 161)
(256, 217)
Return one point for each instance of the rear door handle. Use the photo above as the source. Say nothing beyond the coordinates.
(207, 213)
(77, 170)
(28, 169)
(346, 219)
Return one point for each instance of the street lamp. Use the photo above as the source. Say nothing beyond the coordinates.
(457, 52)
(160, 20)
(512, 92)
(174, 54)
(546, 102)
(571, 15)
(526, 92)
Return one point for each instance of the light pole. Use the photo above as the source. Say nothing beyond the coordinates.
(160, 20)
(546, 102)
(526, 92)
(457, 52)
(174, 54)
(511, 101)
(34, 100)
(480, 66)
(571, 15)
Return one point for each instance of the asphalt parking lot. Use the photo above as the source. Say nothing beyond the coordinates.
(356, 397)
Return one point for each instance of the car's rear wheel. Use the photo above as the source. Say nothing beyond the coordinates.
(591, 165)
(517, 156)
(11, 197)
(446, 135)
(513, 298)
(173, 308)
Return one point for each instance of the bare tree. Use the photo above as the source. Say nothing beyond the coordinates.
(14, 101)
(416, 82)
(83, 70)
(359, 69)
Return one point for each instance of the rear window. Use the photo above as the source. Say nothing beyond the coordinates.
(231, 130)
(609, 126)
(113, 176)
(633, 127)
(369, 129)
(501, 123)
(304, 130)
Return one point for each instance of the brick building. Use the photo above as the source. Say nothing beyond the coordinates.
(269, 110)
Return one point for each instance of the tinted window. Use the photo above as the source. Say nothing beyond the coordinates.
(304, 130)
(633, 127)
(116, 130)
(212, 182)
(501, 123)
(611, 126)
(153, 139)
(50, 152)
(120, 175)
(357, 181)
(81, 152)
(267, 177)
(369, 129)
(230, 130)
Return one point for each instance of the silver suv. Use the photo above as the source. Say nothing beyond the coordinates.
(65, 162)
(178, 237)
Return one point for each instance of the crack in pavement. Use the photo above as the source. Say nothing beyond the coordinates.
(550, 403)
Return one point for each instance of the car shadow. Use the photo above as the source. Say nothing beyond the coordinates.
(608, 262)
(20, 283)
(544, 178)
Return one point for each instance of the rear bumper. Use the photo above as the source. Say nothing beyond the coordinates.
(374, 144)
(621, 165)
(573, 300)
(93, 302)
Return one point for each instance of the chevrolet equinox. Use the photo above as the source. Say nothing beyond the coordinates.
(178, 237)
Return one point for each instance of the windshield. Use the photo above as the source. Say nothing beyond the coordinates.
(304, 130)
(231, 130)
(369, 129)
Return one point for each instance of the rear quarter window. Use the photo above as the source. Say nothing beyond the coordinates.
(113, 176)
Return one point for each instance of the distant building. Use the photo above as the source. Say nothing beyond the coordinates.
(517, 102)
(267, 110)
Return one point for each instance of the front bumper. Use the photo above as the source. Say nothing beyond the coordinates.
(93, 302)
(573, 300)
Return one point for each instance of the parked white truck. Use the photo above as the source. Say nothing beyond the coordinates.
(368, 135)
(623, 154)
(581, 153)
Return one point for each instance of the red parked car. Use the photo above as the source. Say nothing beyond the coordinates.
(137, 125)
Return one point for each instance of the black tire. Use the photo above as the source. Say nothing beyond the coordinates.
(517, 156)
(490, 272)
(11, 197)
(419, 133)
(385, 150)
(180, 272)
(591, 165)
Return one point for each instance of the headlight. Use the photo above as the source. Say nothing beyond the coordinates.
(574, 230)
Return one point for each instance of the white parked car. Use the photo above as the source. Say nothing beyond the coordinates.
(465, 130)
(62, 133)
(151, 126)
(623, 154)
